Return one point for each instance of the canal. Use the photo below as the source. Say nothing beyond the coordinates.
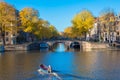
(68, 64)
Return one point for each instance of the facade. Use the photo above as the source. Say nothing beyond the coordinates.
(95, 31)
(10, 37)
(10, 32)
(24, 37)
(106, 32)
(118, 30)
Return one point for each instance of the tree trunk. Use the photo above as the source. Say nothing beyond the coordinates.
(3, 37)
(85, 34)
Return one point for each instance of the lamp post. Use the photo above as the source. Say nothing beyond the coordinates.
(11, 33)
(13, 38)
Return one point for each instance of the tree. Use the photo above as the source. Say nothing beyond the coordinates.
(54, 32)
(107, 16)
(82, 23)
(8, 19)
(68, 32)
(42, 29)
(29, 17)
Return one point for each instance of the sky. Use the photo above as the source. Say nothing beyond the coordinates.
(60, 12)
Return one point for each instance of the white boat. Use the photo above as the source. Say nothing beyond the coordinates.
(44, 69)
(44, 45)
(47, 71)
(41, 71)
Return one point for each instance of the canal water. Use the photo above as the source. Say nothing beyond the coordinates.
(67, 64)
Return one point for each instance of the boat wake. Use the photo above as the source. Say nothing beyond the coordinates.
(45, 72)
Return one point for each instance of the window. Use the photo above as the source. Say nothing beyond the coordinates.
(6, 33)
(117, 33)
(13, 34)
(113, 34)
(7, 39)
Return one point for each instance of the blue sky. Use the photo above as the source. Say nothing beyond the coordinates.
(60, 12)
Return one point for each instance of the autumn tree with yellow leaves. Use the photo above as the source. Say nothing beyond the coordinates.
(82, 23)
(41, 30)
(29, 17)
(68, 32)
(8, 19)
(32, 23)
(53, 30)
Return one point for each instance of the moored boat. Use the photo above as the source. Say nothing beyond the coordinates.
(75, 45)
(44, 45)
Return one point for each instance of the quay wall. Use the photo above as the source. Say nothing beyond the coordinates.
(16, 47)
(88, 46)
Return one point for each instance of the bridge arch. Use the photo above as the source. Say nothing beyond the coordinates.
(65, 42)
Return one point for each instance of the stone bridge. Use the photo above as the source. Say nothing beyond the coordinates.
(87, 46)
(84, 45)
(67, 43)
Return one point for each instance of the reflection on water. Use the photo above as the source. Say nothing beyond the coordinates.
(44, 50)
(93, 65)
(60, 47)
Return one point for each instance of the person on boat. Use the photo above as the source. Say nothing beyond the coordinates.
(43, 67)
(46, 68)
(49, 69)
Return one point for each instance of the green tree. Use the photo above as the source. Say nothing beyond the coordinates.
(82, 23)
